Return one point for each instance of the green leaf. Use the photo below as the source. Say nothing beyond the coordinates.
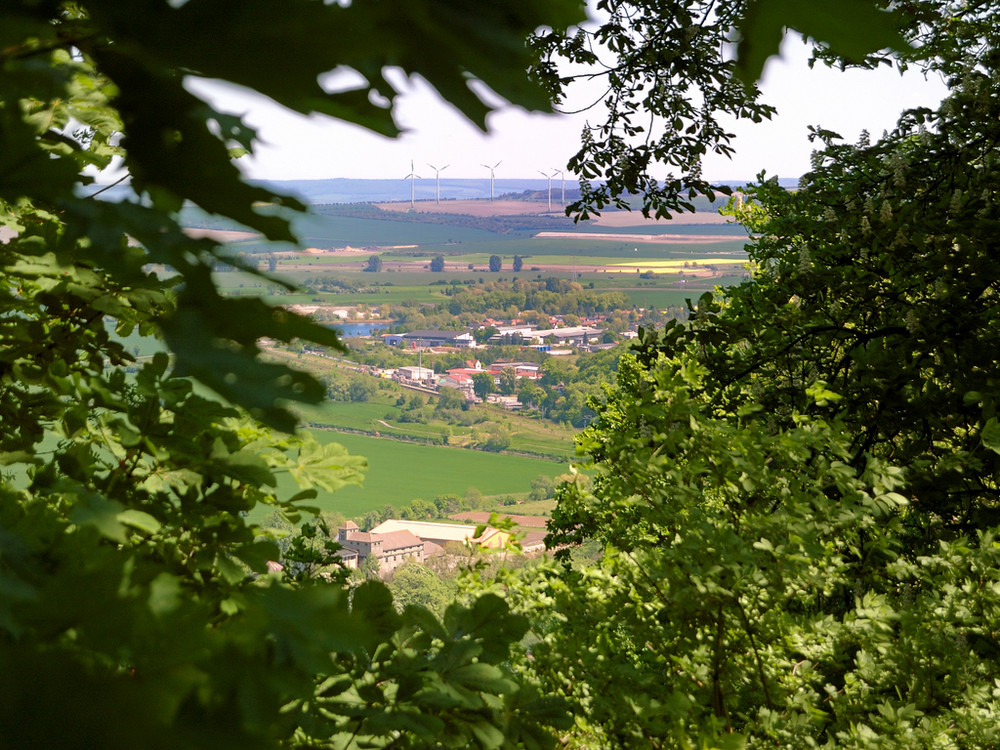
(141, 520)
(243, 465)
(483, 677)
(851, 29)
(327, 466)
(372, 605)
(258, 554)
(991, 435)
(100, 513)
(164, 594)
(488, 735)
(231, 570)
(16, 457)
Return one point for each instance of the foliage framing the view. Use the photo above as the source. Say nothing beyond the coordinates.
(666, 83)
(134, 593)
(782, 563)
(796, 492)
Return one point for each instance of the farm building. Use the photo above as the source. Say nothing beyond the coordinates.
(442, 533)
(390, 549)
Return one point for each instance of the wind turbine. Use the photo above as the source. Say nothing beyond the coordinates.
(549, 178)
(411, 177)
(562, 174)
(437, 177)
(491, 175)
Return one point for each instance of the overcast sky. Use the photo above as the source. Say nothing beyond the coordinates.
(296, 147)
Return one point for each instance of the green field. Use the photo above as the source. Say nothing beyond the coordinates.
(379, 416)
(400, 472)
(337, 231)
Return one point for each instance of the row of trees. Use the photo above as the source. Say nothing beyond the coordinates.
(437, 263)
(469, 302)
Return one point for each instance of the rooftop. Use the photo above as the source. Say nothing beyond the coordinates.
(450, 532)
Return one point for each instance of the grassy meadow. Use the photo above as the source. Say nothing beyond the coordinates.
(400, 472)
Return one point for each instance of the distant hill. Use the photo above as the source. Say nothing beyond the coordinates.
(347, 190)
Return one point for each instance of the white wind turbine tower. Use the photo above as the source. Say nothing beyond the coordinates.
(562, 174)
(549, 178)
(437, 178)
(411, 177)
(491, 175)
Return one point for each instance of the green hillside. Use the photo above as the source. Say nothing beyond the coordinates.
(400, 472)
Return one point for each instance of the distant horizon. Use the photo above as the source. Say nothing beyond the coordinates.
(348, 190)
(340, 190)
(570, 179)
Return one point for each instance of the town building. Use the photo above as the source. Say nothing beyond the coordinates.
(461, 339)
(575, 335)
(530, 530)
(410, 372)
(457, 379)
(511, 335)
(530, 370)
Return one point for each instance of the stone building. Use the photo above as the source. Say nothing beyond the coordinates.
(390, 549)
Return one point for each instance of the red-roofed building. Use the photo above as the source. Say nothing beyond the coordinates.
(457, 379)
(390, 549)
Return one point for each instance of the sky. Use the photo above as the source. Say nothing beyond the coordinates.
(318, 147)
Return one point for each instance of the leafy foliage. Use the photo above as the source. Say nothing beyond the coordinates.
(418, 584)
(851, 30)
(483, 385)
(670, 83)
(796, 493)
(666, 83)
(133, 589)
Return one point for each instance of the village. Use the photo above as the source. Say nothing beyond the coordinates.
(502, 377)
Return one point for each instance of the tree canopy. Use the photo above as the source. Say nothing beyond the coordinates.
(671, 83)
(796, 491)
(136, 599)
